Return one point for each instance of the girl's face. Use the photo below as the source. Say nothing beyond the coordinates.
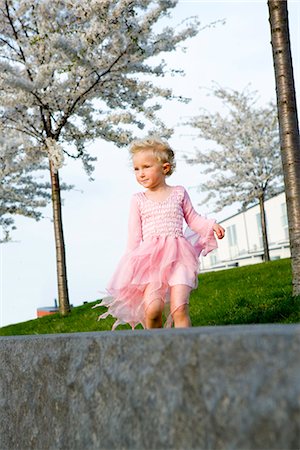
(149, 172)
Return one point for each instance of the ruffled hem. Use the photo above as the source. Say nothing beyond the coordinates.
(156, 263)
(161, 262)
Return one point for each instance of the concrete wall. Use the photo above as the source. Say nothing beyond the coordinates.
(200, 388)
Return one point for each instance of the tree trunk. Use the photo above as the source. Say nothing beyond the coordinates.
(264, 228)
(288, 126)
(63, 296)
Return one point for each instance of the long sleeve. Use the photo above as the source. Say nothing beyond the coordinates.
(203, 238)
(134, 225)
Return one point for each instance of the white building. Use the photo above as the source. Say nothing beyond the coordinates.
(243, 243)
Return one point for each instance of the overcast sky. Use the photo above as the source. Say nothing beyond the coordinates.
(95, 214)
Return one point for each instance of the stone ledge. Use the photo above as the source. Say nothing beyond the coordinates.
(199, 388)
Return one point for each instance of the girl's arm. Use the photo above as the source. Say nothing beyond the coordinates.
(196, 222)
(204, 228)
(134, 225)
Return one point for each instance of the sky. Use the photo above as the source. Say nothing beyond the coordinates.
(234, 55)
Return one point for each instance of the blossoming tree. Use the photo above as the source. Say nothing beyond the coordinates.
(76, 70)
(245, 163)
(20, 192)
(288, 125)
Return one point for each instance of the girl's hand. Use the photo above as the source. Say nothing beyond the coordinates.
(220, 232)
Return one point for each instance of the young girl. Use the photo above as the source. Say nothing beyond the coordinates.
(160, 265)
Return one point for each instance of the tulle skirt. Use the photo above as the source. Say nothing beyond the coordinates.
(159, 263)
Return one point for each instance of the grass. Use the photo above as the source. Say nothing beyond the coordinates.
(260, 293)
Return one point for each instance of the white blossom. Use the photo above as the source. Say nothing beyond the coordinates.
(243, 160)
(76, 70)
(22, 190)
(244, 163)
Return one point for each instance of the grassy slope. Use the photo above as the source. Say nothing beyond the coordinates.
(259, 293)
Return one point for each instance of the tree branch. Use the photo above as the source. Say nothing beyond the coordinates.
(81, 96)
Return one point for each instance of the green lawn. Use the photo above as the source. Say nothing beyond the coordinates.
(259, 293)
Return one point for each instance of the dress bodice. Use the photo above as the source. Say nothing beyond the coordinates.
(164, 218)
(148, 218)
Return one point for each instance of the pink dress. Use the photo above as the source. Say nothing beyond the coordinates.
(158, 255)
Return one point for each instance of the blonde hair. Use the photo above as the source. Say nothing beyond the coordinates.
(160, 148)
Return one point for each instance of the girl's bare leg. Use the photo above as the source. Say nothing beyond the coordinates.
(153, 314)
(153, 310)
(179, 300)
